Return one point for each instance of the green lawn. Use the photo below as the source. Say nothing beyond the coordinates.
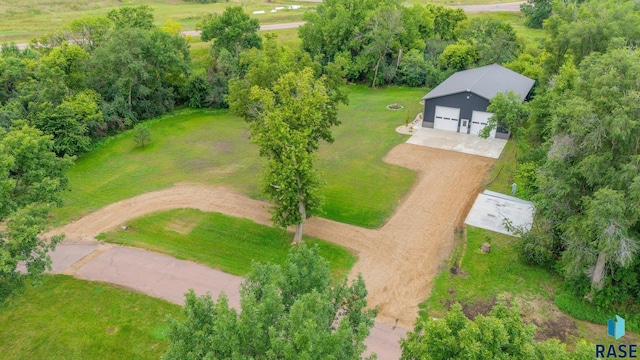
(487, 275)
(361, 189)
(66, 318)
(288, 37)
(195, 146)
(211, 147)
(222, 242)
(503, 170)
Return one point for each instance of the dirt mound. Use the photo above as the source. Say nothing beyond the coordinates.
(549, 320)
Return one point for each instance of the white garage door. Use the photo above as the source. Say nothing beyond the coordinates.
(479, 120)
(446, 118)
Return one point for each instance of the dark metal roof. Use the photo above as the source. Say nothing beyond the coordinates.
(485, 81)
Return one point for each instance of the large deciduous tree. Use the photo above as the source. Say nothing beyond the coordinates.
(336, 26)
(458, 56)
(233, 31)
(509, 112)
(383, 29)
(536, 12)
(371, 37)
(89, 32)
(266, 67)
(494, 41)
(136, 72)
(140, 17)
(31, 180)
(446, 21)
(291, 119)
(288, 312)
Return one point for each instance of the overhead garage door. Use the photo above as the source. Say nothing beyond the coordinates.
(446, 118)
(480, 119)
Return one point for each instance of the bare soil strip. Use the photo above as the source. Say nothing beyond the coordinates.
(398, 261)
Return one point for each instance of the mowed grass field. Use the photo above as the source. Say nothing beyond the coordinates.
(66, 318)
(22, 20)
(212, 147)
(222, 242)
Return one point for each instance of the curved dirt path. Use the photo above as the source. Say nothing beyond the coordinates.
(398, 261)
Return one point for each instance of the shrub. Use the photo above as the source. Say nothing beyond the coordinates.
(141, 135)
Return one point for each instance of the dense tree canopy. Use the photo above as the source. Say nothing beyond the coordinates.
(265, 68)
(32, 178)
(140, 17)
(97, 76)
(288, 312)
(136, 72)
(336, 26)
(373, 39)
(578, 29)
(494, 41)
(589, 182)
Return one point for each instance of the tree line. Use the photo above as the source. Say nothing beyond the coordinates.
(374, 42)
(580, 137)
(96, 77)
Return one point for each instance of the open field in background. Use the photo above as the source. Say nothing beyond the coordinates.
(461, 2)
(212, 147)
(66, 318)
(25, 19)
(288, 37)
(221, 242)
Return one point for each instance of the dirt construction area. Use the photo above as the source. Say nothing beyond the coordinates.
(398, 260)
